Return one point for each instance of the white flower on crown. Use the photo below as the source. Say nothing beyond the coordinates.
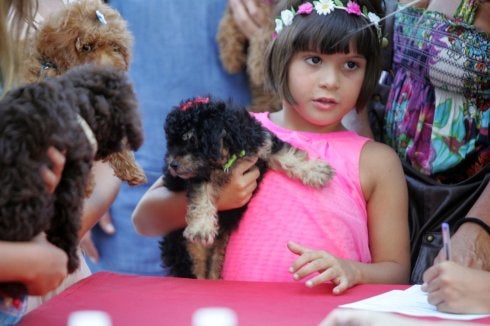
(373, 18)
(287, 17)
(324, 7)
(279, 25)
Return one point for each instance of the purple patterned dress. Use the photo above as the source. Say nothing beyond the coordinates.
(438, 116)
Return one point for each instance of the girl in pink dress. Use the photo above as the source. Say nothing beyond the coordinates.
(323, 63)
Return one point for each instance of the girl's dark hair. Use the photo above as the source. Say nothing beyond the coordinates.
(333, 33)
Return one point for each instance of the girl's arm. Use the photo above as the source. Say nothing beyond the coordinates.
(385, 190)
(161, 211)
(103, 195)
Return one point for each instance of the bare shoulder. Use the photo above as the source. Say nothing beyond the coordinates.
(376, 155)
(379, 164)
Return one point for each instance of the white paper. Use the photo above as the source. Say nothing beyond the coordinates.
(412, 301)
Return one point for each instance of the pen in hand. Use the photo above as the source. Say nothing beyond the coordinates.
(446, 240)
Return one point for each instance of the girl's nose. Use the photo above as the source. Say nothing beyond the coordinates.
(329, 78)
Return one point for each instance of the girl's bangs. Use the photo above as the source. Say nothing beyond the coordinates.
(334, 33)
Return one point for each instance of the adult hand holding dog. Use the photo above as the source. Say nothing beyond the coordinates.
(38, 264)
(52, 176)
(247, 16)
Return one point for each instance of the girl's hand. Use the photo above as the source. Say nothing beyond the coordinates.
(339, 271)
(238, 191)
(52, 177)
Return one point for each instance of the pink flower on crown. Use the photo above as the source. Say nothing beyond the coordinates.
(353, 8)
(305, 8)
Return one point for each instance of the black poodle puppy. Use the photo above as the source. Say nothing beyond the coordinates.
(88, 113)
(205, 138)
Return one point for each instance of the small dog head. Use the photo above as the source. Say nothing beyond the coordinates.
(86, 31)
(205, 134)
(107, 101)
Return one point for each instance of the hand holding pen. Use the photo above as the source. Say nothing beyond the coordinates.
(446, 240)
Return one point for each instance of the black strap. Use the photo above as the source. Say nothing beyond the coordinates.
(390, 7)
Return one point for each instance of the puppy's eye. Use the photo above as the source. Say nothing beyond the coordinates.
(188, 135)
(86, 48)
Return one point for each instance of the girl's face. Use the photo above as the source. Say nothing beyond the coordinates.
(325, 87)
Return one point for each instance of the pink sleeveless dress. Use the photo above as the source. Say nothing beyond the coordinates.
(333, 219)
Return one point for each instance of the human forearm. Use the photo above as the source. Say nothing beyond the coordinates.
(38, 264)
(105, 191)
(481, 208)
(14, 260)
(471, 243)
(387, 272)
(160, 211)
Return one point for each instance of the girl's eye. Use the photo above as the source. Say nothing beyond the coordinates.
(351, 65)
(314, 60)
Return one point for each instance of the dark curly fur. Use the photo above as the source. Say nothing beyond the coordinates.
(39, 115)
(202, 135)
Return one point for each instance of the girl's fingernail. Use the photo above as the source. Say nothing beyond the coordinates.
(309, 284)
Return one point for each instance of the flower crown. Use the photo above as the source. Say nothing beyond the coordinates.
(325, 7)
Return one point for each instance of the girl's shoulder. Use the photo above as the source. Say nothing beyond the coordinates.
(379, 165)
(377, 155)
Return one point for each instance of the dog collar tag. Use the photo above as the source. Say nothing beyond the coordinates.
(100, 17)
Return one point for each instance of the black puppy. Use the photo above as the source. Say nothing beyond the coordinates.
(88, 113)
(205, 137)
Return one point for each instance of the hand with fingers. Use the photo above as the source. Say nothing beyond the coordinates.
(247, 15)
(340, 272)
(238, 191)
(52, 176)
(455, 288)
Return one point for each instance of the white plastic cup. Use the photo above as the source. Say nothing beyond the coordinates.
(89, 318)
(214, 316)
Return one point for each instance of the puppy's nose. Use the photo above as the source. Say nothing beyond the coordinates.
(174, 165)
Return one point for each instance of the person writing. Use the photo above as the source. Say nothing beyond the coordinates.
(437, 116)
(355, 230)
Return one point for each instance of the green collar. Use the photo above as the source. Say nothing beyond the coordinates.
(227, 166)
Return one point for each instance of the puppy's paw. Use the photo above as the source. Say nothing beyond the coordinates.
(201, 231)
(318, 173)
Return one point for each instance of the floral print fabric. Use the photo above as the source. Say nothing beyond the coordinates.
(438, 115)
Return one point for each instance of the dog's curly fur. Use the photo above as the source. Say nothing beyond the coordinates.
(75, 36)
(238, 53)
(203, 134)
(36, 116)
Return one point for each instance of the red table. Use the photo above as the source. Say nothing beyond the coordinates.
(144, 300)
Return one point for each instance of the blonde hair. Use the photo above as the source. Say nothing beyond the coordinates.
(16, 19)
